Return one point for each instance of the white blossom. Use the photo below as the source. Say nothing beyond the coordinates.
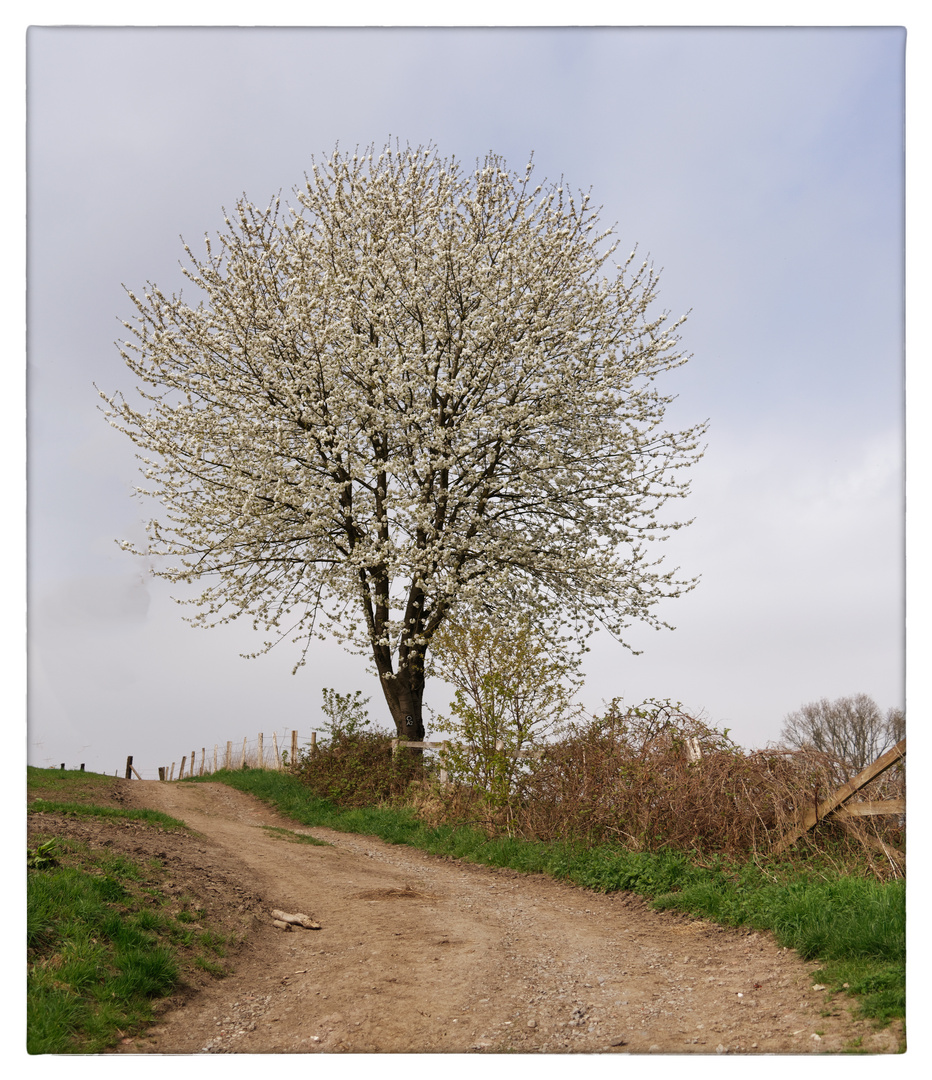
(412, 393)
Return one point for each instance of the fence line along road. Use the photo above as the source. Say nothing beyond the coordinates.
(257, 754)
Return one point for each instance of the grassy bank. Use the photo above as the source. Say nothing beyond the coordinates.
(855, 927)
(98, 956)
(102, 944)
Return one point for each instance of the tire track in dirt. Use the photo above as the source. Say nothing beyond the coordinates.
(422, 954)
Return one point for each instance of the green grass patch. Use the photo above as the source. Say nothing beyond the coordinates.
(293, 837)
(67, 784)
(82, 809)
(102, 946)
(103, 942)
(855, 927)
(210, 966)
(97, 958)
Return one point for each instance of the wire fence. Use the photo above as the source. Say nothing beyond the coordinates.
(261, 752)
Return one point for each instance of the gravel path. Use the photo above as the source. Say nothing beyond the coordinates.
(417, 953)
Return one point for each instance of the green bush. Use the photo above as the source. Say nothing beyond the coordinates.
(359, 769)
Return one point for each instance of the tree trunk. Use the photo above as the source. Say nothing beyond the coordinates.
(404, 694)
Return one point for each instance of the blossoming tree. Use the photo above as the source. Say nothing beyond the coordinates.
(421, 389)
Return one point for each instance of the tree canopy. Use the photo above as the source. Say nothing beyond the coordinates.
(420, 388)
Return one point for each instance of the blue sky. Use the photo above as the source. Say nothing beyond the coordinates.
(761, 168)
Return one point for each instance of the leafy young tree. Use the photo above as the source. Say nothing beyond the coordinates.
(513, 689)
(420, 388)
(853, 729)
(346, 714)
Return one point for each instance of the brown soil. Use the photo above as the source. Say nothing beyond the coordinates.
(421, 954)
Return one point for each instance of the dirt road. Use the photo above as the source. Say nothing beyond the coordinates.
(417, 954)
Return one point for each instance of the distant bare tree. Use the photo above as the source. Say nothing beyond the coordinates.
(896, 723)
(852, 728)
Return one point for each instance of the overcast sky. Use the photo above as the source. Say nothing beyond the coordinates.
(761, 168)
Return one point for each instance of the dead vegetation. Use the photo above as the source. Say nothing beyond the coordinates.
(659, 778)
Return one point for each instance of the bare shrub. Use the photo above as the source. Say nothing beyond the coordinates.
(648, 778)
(878, 840)
(456, 803)
(655, 777)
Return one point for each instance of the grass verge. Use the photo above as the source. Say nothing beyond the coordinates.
(149, 817)
(854, 927)
(102, 944)
(293, 837)
(101, 949)
(67, 783)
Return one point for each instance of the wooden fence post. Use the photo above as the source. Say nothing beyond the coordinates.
(278, 760)
(161, 772)
(313, 744)
(172, 777)
(229, 758)
(261, 754)
(243, 763)
(181, 770)
(444, 779)
(294, 747)
(129, 766)
(82, 766)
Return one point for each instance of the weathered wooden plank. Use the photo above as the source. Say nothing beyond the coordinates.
(417, 745)
(441, 745)
(866, 809)
(841, 795)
